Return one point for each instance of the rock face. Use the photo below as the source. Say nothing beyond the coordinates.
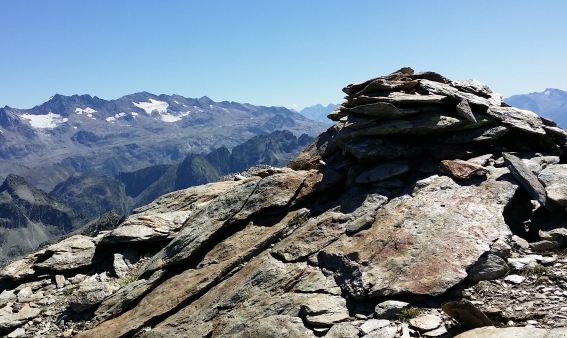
(419, 194)
(29, 216)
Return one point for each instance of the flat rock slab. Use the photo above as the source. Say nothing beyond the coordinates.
(446, 90)
(383, 110)
(426, 322)
(382, 172)
(325, 310)
(422, 244)
(398, 98)
(518, 118)
(390, 309)
(425, 123)
(373, 150)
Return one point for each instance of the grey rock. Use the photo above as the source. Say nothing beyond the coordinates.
(342, 330)
(121, 268)
(472, 86)
(25, 293)
(544, 245)
(554, 179)
(279, 326)
(383, 110)
(390, 309)
(464, 111)
(382, 172)
(518, 118)
(426, 322)
(59, 281)
(397, 237)
(526, 178)
(398, 98)
(10, 320)
(373, 325)
(488, 267)
(555, 132)
(489, 132)
(19, 332)
(446, 90)
(514, 279)
(373, 150)
(357, 122)
(425, 123)
(384, 332)
(325, 310)
(522, 262)
(90, 294)
(520, 243)
(320, 148)
(72, 253)
(466, 314)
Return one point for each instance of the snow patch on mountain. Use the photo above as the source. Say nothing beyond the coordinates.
(48, 121)
(149, 107)
(165, 117)
(87, 111)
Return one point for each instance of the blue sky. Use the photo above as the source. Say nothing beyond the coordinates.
(271, 52)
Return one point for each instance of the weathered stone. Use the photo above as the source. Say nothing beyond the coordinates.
(446, 90)
(398, 99)
(338, 113)
(462, 169)
(399, 75)
(373, 325)
(342, 330)
(520, 263)
(466, 314)
(412, 246)
(315, 281)
(25, 293)
(59, 281)
(194, 282)
(514, 279)
(383, 110)
(488, 267)
(390, 309)
(544, 245)
(489, 132)
(373, 149)
(472, 86)
(276, 327)
(313, 235)
(383, 332)
(520, 243)
(357, 122)
(464, 110)
(425, 123)
(432, 76)
(10, 320)
(526, 178)
(518, 118)
(426, 322)
(382, 172)
(121, 268)
(325, 310)
(554, 179)
(90, 294)
(516, 332)
(19, 332)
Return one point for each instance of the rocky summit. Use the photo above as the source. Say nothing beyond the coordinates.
(430, 209)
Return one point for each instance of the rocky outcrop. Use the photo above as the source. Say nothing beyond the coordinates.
(426, 191)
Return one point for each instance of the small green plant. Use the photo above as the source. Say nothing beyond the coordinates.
(68, 291)
(537, 270)
(409, 312)
(296, 221)
(127, 280)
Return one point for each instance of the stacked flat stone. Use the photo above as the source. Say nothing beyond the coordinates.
(380, 113)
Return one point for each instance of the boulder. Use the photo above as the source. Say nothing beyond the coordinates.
(526, 178)
(462, 169)
(466, 314)
(554, 179)
(390, 309)
(488, 267)
(411, 247)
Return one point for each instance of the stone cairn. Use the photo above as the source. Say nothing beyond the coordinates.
(454, 127)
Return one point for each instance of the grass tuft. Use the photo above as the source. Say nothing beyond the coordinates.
(409, 312)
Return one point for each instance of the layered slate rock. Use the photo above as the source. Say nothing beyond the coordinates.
(413, 195)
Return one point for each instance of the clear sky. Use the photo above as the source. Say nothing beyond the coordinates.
(292, 53)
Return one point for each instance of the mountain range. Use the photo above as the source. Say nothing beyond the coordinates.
(92, 135)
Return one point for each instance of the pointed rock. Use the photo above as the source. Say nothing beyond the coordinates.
(464, 111)
(466, 314)
(526, 178)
